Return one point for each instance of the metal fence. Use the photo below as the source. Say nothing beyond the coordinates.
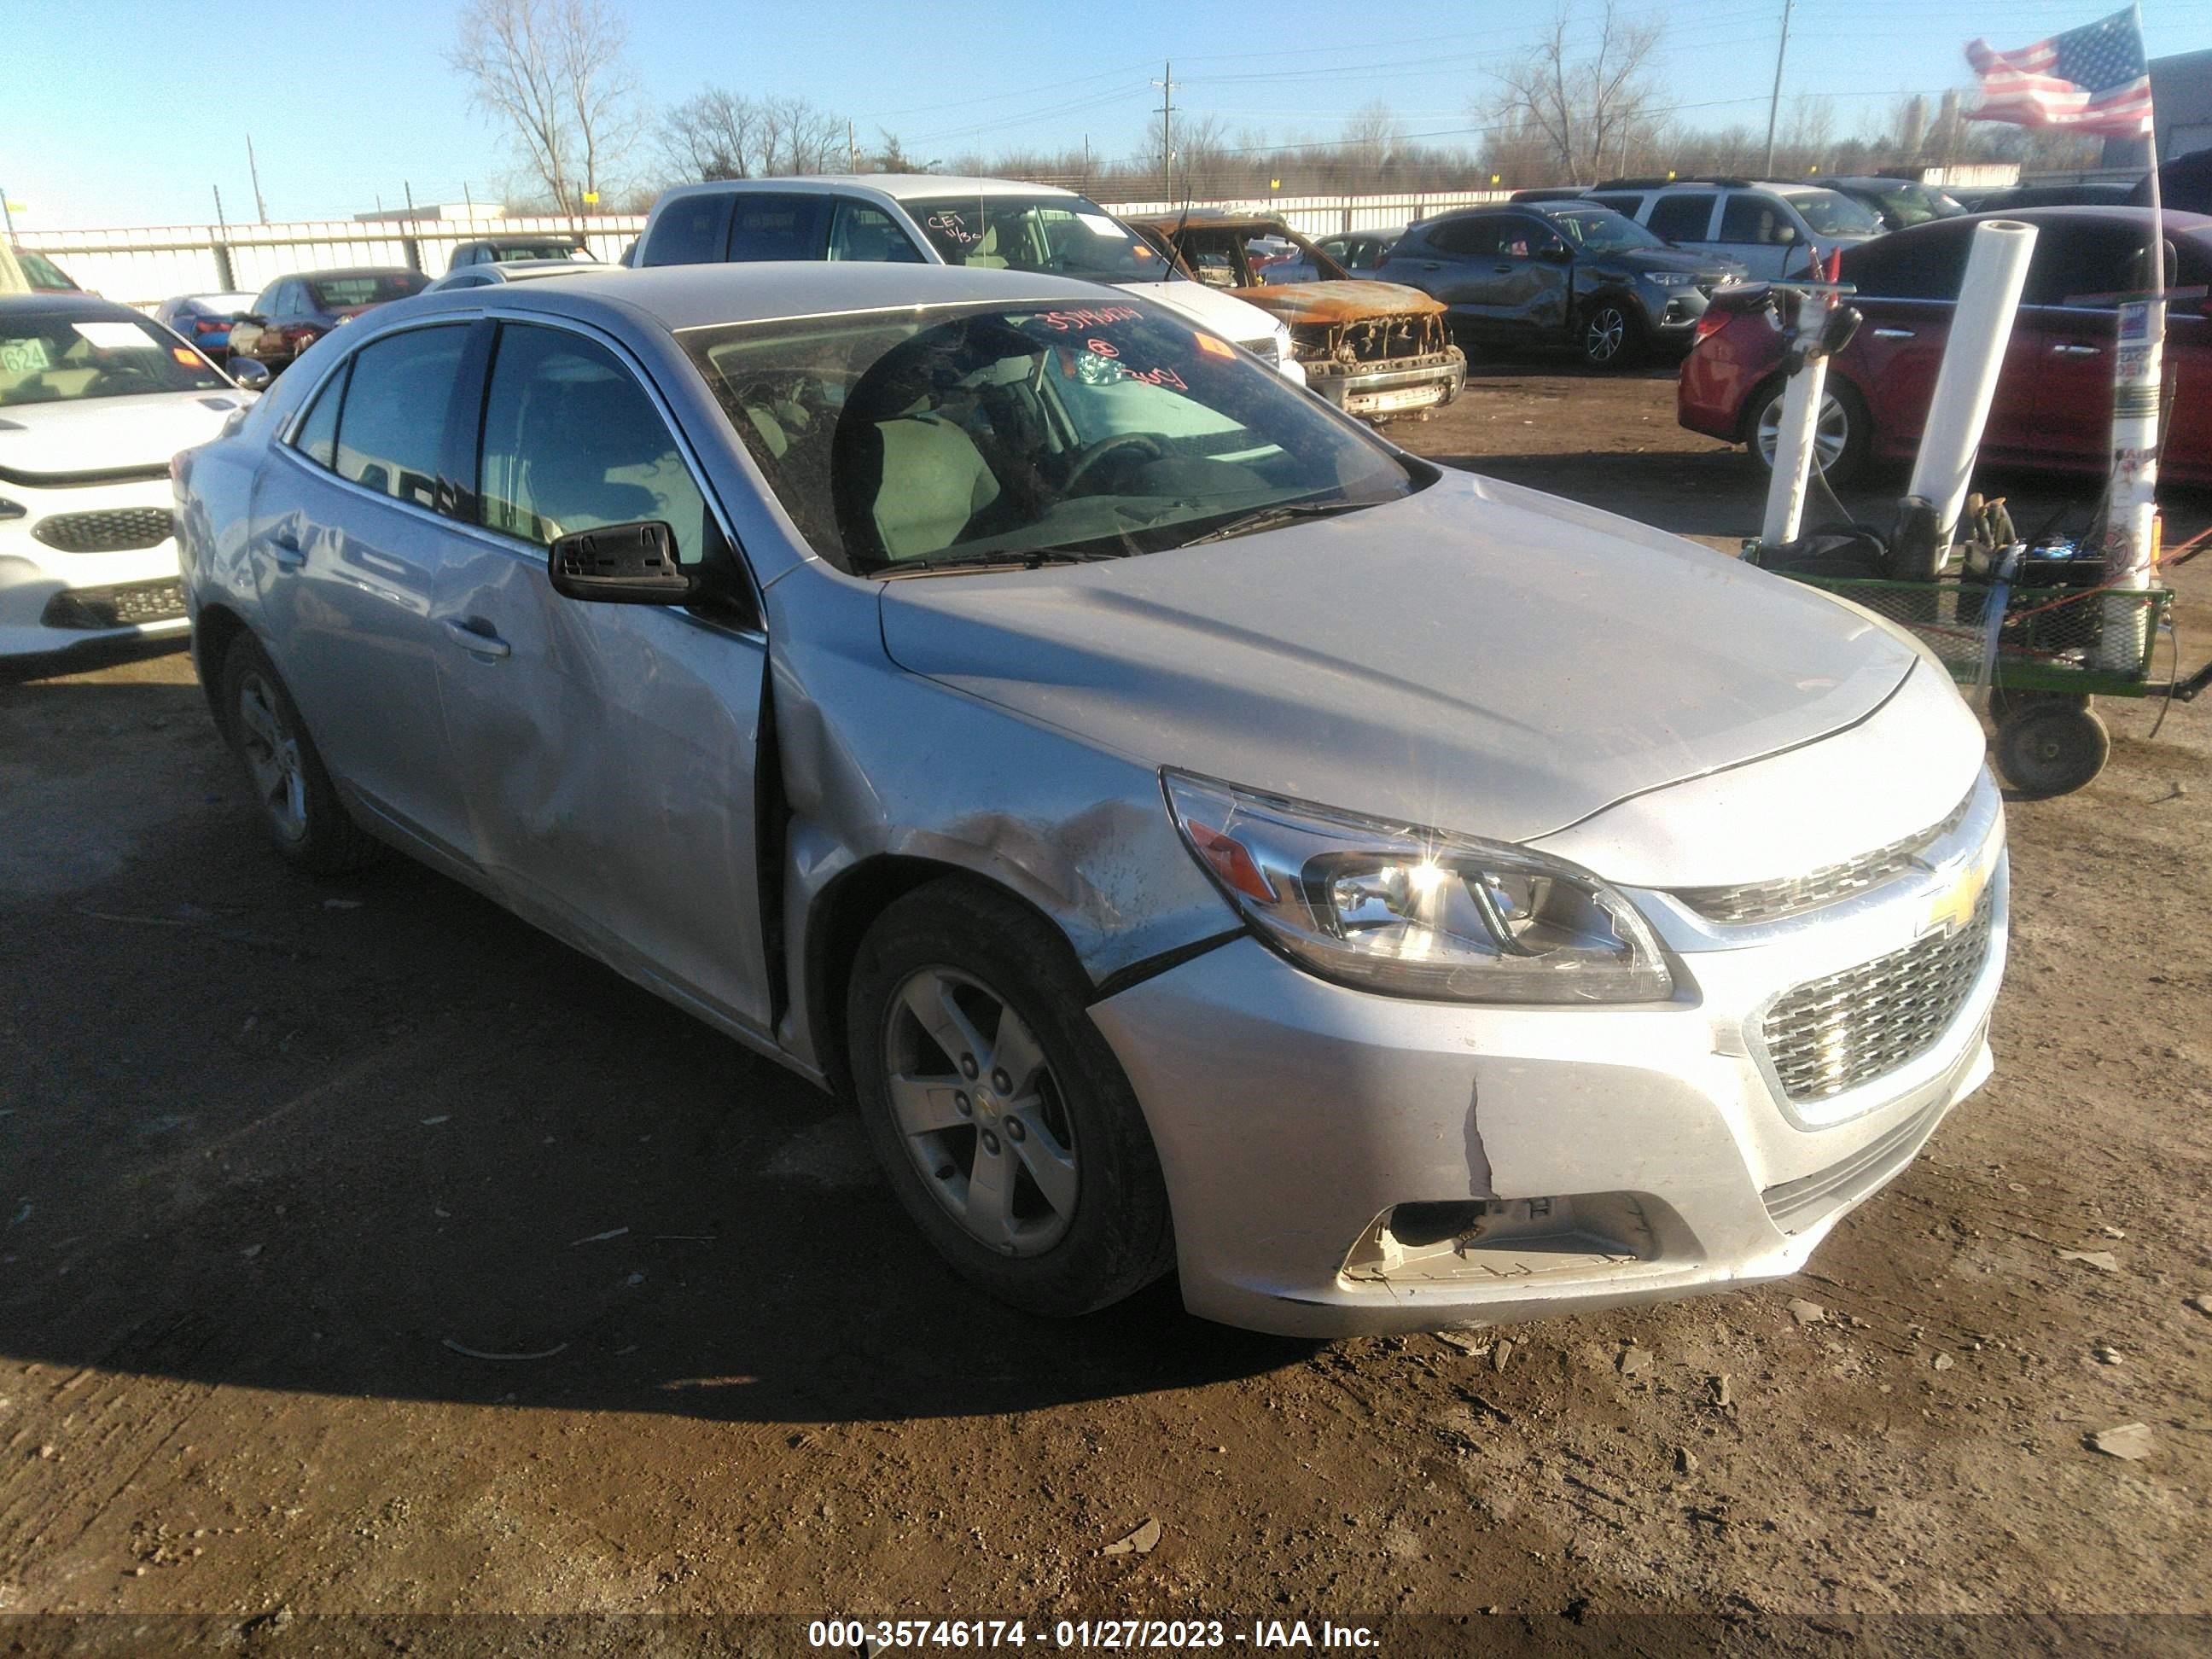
(144, 267)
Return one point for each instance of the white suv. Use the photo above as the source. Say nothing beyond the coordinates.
(924, 218)
(1773, 230)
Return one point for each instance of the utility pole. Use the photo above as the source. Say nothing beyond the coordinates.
(219, 224)
(1166, 84)
(1774, 104)
(852, 150)
(260, 207)
(408, 185)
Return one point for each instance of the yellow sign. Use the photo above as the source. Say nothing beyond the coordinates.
(592, 197)
(1274, 184)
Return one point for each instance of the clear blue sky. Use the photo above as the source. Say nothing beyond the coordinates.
(125, 112)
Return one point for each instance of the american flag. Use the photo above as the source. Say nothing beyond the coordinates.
(2094, 79)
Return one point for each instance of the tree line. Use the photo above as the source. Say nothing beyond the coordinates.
(1580, 106)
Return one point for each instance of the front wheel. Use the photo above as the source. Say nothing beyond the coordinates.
(998, 1112)
(1841, 439)
(1609, 335)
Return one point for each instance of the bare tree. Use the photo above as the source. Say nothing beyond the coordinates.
(556, 73)
(1582, 102)
(721, 134)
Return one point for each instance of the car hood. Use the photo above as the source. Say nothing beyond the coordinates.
(1670, 258)
(103, 435)
(1224, 314)
(1478, 657)
(1337, 302)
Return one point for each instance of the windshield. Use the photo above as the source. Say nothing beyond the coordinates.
(367, 288)
(1830, 213)
(505, 252)
(58, 357)
(1065, 235)
(1601, 230)
(900, 441)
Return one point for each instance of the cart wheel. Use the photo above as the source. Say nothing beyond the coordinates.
(2008, 705)
(2052, 748)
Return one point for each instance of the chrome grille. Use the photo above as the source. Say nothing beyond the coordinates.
(1833, 1034)
(1792, 896)
(114, 531)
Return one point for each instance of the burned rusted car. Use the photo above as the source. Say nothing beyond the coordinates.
(1374, 350)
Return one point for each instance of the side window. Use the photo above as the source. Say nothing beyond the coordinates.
(1684, 218)
(393, 420)
(691, 230)
(1465, 239)
(317, 436)
(264, 303)
(2087, 266)
(777, 228)
(858, 231)
(1627, 206)
(572, 442)
(1750, 217)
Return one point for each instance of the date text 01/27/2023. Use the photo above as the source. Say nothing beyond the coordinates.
(1280, 1635)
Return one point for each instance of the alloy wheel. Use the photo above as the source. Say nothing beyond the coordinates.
(272, 756)
(1605, 334)
(980, 1111)
(1830, 436)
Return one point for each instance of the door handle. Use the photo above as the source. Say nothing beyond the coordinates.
(1896, 333)
(2073, 349)
(1430, 265)
(1501, 270)
(476, 638)
(286, 548)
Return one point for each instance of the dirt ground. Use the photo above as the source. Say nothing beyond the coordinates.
(273, 1152)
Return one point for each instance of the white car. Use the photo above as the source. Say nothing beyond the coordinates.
(94, 399)
(926, 218)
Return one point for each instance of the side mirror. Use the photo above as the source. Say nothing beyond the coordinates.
(1836, 332)
(621, 564)
(249, 373)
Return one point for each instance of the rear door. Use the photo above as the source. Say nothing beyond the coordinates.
(2075, 279)
(350, 535)
(608, 750)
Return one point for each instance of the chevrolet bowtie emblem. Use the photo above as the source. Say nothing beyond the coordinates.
(1953, 907)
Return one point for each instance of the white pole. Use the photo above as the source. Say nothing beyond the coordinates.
(2138, 382)
(1794, 443)
(1973, 357)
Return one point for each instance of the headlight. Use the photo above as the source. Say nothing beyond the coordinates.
(1669, 278)
(1413, 912)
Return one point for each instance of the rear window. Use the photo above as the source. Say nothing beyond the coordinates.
(1921, 264)
(691, 230)
(368, 289)
(43, 273)
(1681, 218)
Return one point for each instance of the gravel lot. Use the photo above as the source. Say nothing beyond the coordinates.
(270, 1150)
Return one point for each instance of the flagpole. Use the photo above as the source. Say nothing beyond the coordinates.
(2138, 395)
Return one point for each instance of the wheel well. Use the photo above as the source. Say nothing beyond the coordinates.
(1764, 389)
(215, 631)
(840, 919)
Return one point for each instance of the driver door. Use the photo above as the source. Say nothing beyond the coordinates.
(608, 750)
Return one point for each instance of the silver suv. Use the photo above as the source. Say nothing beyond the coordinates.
(1773, 230)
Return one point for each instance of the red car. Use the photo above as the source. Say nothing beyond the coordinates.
(2054, 400)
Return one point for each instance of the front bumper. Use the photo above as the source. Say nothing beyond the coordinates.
(1569, 1158)
(53, 599)
(1402, 386)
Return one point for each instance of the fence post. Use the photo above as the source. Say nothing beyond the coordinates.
(413, 249)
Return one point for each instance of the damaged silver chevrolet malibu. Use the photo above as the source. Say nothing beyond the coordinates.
(1196, 833)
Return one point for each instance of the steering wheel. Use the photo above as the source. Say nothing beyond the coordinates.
(1099, 452)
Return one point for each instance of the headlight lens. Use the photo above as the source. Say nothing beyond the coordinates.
(1669, 278)
(1413, 912)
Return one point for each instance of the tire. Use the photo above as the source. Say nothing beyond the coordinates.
(1042, 1189)
(299, 805)
(1845, 435)
(1608, 335)
(2052, 748)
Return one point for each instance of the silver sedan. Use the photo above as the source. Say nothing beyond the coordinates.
(1194, 832)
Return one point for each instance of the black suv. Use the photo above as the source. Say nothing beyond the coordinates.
(1562, 273)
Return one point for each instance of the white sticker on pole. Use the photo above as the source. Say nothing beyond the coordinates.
(117, 336)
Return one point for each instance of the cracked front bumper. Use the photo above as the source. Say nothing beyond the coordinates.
(1400, 386)
(1605, 1155)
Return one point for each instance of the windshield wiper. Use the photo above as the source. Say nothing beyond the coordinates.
(1267, 517)
(994, 559)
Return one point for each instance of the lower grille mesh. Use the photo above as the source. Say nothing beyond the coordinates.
(1833, 1034)
(117, 530)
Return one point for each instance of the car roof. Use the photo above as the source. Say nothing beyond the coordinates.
(699, 296)
(1212, 218)
(523, 238)
(899, 186)
(346, 270)
(2196, 227)
(75, 304)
